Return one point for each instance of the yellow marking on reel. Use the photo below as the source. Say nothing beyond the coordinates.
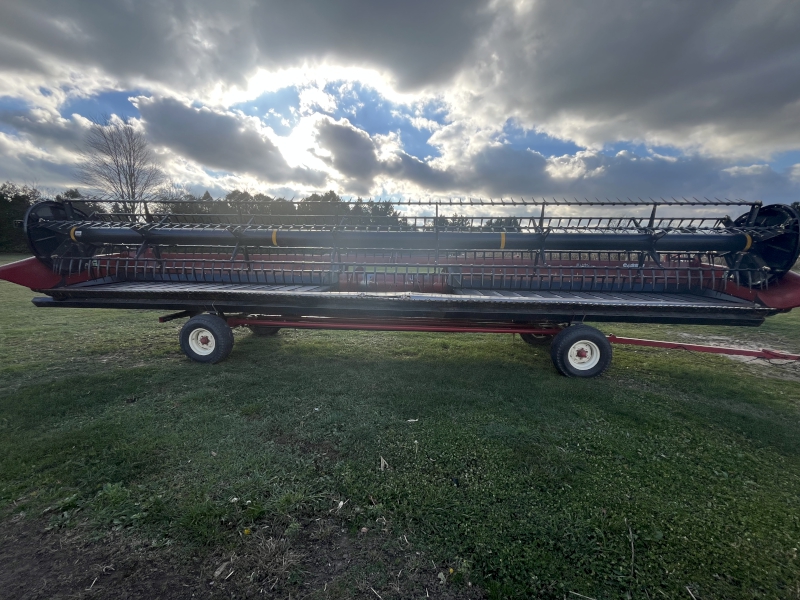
(274, 237)
(749, 242)
(502, 240)
(72, 234)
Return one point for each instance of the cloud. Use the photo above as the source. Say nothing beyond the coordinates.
(361, 158)
(220, 140)
(418, 96)
(352, 152)
(423, 123)
(313, 99)
(794, 174)
(222, 150)
(193, 46)
(45, 128)
(495, 169)
(714, 77)
(419, 42)
(24, 162)
(740, 171)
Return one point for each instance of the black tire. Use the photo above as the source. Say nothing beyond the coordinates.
(571, 341)
(206, 339)
(263, 330)
(536, 340)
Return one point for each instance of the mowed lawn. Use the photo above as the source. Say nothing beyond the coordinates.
(462, 461)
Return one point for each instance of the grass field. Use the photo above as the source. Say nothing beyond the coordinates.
(675, 475)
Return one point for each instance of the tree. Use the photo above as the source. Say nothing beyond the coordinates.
(118, 163)
(14, 202)
(371, 213)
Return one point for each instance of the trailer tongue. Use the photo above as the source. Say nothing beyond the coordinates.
(524, 268)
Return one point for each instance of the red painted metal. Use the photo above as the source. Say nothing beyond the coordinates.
(763, 353)
(392, 325)
(783, 294)
(33, 274)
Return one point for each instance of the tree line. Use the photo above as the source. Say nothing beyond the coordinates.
(16, 199)
(321, 209)
(14, 203)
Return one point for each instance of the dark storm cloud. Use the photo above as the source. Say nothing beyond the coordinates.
(24, 164)
(356, 155)
(149, 39)
(688, 72)
(419, 41)
(43, 129)
(186, 44)
(19, 59)
(219, 140)
(411, 169)
(501, 170)
(498, 172)
(353, 153)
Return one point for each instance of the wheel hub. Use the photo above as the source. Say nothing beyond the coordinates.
(583, 355)
(202, 341)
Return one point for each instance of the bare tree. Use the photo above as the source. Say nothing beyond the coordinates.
(118, 163)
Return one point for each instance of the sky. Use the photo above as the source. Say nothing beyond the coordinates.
(420, 98)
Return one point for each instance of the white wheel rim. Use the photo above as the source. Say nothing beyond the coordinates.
(202, 342)
(583, 355)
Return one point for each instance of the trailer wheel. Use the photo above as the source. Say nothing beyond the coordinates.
(206, 339)
(263, 330)
(580, 351)
(535, 339)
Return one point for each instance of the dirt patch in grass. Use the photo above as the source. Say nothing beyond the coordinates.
(325, 559)
(319, 559)
(68, 564)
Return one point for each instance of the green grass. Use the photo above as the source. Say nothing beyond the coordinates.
(523, 482)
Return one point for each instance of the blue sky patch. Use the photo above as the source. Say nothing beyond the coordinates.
(365, 108)
(632, 147)
(521, 139)
(216, 174)
(785, 160)
(104, 103)
(273, 108)
(11, 104)
(9, 107)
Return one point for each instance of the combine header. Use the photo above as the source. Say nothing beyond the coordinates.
(540, 269)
